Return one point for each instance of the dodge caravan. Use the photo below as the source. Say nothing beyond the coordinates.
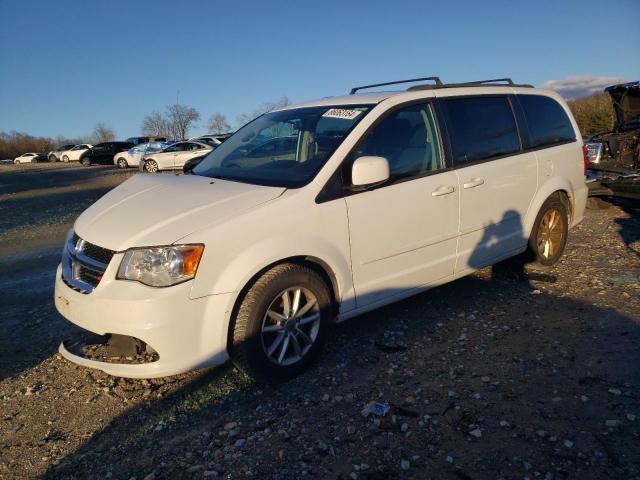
(315, 213)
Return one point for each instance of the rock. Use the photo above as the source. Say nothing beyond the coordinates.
(615, 391)
(410, 400)
(325, 397)
(476, 432)
(612, 423)
(631, 417)
(504, 423)
(230, 426)
(449, 459)
(151, 476)
(536, 292)
(584, 398)
(405, 464)
(239, 443)
(209, 473)
(568, 443)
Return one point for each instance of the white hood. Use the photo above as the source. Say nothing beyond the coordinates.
(160, 209)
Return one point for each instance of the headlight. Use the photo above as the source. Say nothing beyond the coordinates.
(161, 266)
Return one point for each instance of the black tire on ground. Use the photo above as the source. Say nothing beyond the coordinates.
(122, 163)
(248, 341)
(86, 162)
(52, 158)
(549, 233)
(150, 166)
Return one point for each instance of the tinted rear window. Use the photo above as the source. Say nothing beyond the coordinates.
(547, 121)
(481, 128)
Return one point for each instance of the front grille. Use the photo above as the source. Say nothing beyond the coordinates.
(84, 264)
(102, 255)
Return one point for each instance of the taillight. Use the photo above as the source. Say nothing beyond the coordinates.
(585, 159)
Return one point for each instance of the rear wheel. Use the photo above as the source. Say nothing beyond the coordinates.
(282, 323)
(52, 158)
(150, 166)
(122, 163)
(550, 230)
(86, 162)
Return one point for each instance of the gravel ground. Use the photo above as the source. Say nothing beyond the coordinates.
(513, 372)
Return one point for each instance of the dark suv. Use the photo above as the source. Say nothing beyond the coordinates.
(103, 153)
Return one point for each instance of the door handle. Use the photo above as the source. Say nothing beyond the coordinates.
(474, 182)
(443, 190)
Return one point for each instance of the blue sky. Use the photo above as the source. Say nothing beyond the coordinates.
(67, 64)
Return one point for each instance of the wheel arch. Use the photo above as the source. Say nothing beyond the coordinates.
(554, 187)
(318, 265)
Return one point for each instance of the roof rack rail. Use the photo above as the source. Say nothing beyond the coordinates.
(494, 82)
(438, 83)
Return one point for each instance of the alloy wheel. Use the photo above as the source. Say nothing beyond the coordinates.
(290, 326)
(550, 233)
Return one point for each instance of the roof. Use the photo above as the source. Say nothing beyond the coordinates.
(370, 98)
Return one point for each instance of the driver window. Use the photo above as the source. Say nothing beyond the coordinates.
(408, 139)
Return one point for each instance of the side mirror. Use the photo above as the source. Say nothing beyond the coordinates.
(369, 171)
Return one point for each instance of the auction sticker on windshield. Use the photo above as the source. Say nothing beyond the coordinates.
(342, 113)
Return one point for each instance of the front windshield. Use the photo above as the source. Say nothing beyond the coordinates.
(285, 148)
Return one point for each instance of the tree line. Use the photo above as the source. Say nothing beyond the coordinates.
(177, 120)
(14, 144)
(593, 114)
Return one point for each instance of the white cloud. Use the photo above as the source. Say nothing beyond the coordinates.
(581, 85)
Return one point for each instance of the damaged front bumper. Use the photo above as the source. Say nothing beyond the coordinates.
(178, 333)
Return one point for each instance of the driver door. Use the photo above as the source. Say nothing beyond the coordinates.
(403, 233)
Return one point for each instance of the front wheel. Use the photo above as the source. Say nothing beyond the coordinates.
(122, 163)
(282, 323)
(52, 158)
(86, 162)
(65, 159)
(150, 166)
(550, 230)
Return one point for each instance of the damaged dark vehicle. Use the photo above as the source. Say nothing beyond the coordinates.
(614, 156)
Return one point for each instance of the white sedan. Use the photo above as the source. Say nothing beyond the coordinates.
(132, 157)
(174, 156)
(26, 158)
(73, 154)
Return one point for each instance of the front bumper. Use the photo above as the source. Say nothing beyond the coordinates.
(186, 333)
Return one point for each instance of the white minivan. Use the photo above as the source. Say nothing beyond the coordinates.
(315, 213)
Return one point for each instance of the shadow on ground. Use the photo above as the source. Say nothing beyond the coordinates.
(532, 372)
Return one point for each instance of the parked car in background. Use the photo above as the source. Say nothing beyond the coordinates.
(140, 140)
(55, 155)
(132, 157)
(73, 154)
(27, 158)
(174, 156)
(385, 195)
(212, 139)
(614, 156)
(103, 153)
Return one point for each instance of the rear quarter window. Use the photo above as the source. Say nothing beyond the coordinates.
(481, 128)
(547, 122)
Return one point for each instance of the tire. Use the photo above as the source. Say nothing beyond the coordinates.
(65, 159)
(122, 163)
(52, 158)
(86, 162)
(550, 230)
(255, 347)
(150, 166)
(17, 162)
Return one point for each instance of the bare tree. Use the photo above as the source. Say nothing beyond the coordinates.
(218, 123)
(156, 125)
(267, 107)
(102, 133)
(181, 118)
